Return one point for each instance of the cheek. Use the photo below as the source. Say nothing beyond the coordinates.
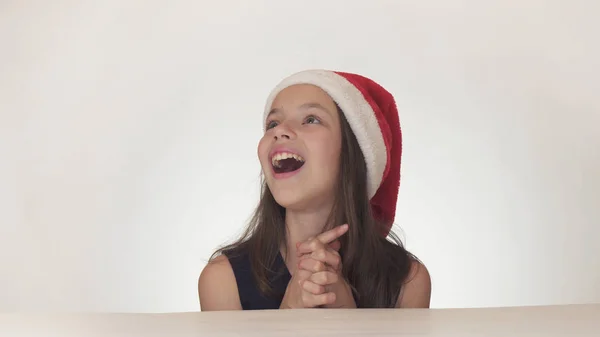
(262, 151)
(333, 146)
(328, 153)
(334, 151)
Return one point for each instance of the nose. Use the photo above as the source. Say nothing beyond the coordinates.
(282, 131)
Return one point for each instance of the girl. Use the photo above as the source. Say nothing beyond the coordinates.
(330, 158)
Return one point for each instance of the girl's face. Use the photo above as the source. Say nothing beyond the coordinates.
(299, 152)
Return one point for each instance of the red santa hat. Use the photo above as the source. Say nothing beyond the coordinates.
(373, 116)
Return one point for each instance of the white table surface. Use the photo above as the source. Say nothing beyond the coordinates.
(548, 321)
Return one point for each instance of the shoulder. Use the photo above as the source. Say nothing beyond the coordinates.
(217, 287)
(416, 290)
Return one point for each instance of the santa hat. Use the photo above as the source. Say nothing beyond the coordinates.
(373, 116)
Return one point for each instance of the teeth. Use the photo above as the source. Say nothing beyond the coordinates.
(284, 155)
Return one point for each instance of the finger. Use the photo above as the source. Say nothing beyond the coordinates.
(299, 243)
(303, 257)
(323, 239)
(324, 254)
(327, 256)
(335, 245)
(312, 301)
(311, 270)
(301, 275)
(332, 234)
(308, 247)
(313, 288)
(324, 278)
(312, 265)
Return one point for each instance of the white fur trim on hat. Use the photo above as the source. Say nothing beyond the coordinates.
(357, 111)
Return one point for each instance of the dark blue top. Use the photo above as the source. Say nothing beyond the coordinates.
(249, 292)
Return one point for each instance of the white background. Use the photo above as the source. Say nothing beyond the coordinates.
(128, 133)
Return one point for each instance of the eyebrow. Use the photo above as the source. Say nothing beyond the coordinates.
(305, 106)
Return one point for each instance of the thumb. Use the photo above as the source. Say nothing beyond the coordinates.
(335, 245)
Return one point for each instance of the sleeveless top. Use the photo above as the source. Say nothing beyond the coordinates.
(250, 296)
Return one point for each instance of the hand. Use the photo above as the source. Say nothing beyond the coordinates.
(306, 288)
(320, 257)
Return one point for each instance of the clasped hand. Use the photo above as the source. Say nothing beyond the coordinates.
(318, 280)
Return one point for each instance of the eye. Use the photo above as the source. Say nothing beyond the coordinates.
(271, 124)
(312, 120)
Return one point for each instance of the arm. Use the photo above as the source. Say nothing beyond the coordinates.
(416, 293)
(217, 287)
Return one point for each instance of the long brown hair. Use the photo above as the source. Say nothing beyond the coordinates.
(374, 266)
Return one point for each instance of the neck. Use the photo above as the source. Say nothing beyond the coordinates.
(300, 226)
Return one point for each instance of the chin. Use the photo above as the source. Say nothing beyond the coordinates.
(288, 197)
(299, 198)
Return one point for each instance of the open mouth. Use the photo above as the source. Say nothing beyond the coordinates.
(285, 162)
